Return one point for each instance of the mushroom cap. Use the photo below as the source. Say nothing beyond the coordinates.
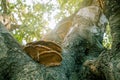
(41, 48)
(49, 44)
(31, 51)
(34, 51)
(50, 58)
(45, 52)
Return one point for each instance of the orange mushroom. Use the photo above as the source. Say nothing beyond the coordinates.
(50, 58)
(41, 48)
(31, 51)
(44, 52)
(49, 44)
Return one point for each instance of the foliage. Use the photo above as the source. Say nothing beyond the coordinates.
(34, 16)
(30, 19)
(68, 7)
(107, 41)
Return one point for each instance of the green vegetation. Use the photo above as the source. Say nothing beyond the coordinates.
(29, 19)
(32, 18)
(107, 41)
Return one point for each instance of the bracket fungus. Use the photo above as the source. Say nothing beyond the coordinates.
(41, 48)
(49, 44)
(31, 51)
(47, 53)
(50, 58)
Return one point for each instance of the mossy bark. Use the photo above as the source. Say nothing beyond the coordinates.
(16, 65)
(107, 64)
(113, 60)
(76, 64)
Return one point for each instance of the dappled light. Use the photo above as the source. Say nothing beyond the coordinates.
(30, 20)
(59, 40)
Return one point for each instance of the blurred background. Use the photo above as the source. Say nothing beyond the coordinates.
(28, 20)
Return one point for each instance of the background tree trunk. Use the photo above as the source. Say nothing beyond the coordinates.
(113, 14)
(108, 63)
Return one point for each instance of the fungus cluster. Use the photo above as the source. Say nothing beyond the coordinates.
(47, 53)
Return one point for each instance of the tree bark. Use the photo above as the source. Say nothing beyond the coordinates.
(113, 60)
(108, 63)
(16, 65)
(81, 61)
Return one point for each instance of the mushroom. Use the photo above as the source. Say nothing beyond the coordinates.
(34, 51)
(49, 44)
(44, 52)
(31, 51)
(50, 58)
(41, 48)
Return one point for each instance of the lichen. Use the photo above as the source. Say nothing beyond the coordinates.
(3, 48)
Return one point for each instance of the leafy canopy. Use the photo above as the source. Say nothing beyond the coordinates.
(32, 18)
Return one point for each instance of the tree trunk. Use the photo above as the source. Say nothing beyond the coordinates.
(113, 14)
(107, 64)
(81, 59)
